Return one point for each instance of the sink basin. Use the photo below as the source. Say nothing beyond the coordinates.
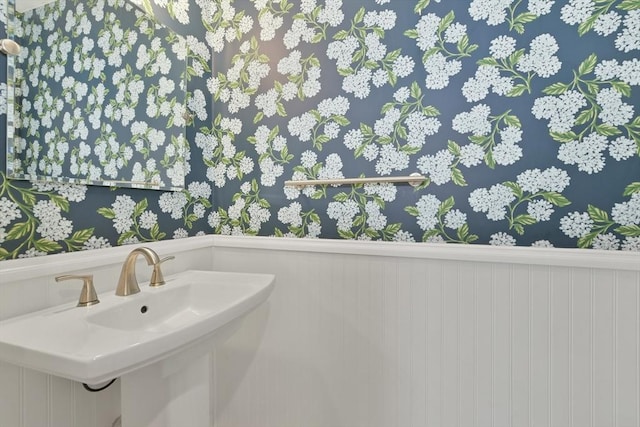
(121, 334)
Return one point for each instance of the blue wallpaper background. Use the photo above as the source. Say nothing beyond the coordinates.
(523, 115)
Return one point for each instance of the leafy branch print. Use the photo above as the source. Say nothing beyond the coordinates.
(133, 221)
(437, 219)
(358, 214)
(400, 133)
(246, 215)
(597, 229)
(584, 91)
(31, 220)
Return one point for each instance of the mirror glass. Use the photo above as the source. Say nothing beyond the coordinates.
(97, 96)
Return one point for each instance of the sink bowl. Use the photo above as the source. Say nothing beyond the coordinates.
(121, 334)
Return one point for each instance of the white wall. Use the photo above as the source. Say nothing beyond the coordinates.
(377, 334)
(386, 335)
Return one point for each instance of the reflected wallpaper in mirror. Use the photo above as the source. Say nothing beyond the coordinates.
(100, 97)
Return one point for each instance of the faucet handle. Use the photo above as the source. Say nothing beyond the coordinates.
(88, 294)
(157, 279)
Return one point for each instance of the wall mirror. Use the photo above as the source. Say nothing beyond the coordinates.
(97, 95)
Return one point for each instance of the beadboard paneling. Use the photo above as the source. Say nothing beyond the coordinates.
(352, 340)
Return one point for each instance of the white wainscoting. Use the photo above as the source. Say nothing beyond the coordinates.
(378, 334)
(395, 335)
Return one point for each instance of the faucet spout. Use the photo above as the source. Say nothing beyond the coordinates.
(128, 284)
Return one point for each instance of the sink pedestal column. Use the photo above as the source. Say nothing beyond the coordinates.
(168, 393)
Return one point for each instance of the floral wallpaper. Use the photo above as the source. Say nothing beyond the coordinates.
(522, 115)
(81, 113)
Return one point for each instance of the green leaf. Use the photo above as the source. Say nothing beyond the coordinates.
(412, 210)
(107, 213)
(60, 201)
(420, 5)
(556, 89)
(463, 43)
(587, 240)
(515, 188)
(588, 24)
(359, 16)
(629, 230)
(632, 188)
(518, 228)
(525, 220)
(518, 90)
(28, 198)
(556, 199)
(457, 177)
(341, 120)
(621, 87)
(588, 65)
(342, 34)
(585, 116)
(341, 197)
(446, 206)
(597, 214)
(463, 232)
(81, 236)
(564, 136)
(511, 120)
(446, 21)
(416, 91)
(140, 207)
(4, 254)
(259, 116)
(629, 5)
(412, 33)
(525, 18)
(488, 61)
(453, 148)
(45, 245)
(607, 130)
(19, 230)
(489, 160)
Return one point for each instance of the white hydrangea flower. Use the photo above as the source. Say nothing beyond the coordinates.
(542, 244)
(576, 224)
(492, 11)
(631, 243)
(606, 242)
(576, 11)
(9, 211)
(502, 239)
(475, 122)
(622, 148)
(607, 23)
(455, 219)
(428, 206)
(343, 212)
(586, 154)
(291, 214)
(493, 201)
(437, 167)
(541, 58)
(627, 213)
(629, 38)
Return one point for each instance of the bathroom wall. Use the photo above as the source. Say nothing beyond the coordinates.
(522, 115)
(378, 334)
(391, 334)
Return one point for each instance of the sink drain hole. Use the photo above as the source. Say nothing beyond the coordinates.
(143, 309)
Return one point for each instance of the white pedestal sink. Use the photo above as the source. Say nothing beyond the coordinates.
(158, 342)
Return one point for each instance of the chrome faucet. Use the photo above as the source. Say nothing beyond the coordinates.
(128, 284)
